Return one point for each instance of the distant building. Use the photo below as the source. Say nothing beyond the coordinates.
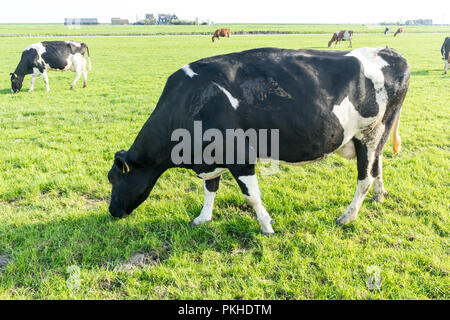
(166, 18)
(118, 21)
(149, 16)
(78, 21)
(419, 22)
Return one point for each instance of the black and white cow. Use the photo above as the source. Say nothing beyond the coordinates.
(445, 50)
(320, 101)
(40, 57)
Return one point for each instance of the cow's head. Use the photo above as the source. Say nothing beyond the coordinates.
(16, 82)
(131, 184)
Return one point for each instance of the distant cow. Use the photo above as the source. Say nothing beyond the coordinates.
(338, 36)
(399, 30)
(319, 102)
(387, 30)
(445, 53)
(40, 57)
(221, 33)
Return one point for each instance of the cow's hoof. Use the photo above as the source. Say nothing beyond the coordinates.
(379, 197)
(194, 224)
(268, 230)
(31, 90)
(71, 88)
(345, 219)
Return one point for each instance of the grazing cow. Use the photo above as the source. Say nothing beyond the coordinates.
(40, 57)
(445, 49)
(387, 30)
(319, 101)
(221, 33)
(399, 30)
(338, 36)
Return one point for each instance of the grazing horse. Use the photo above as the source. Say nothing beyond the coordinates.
(221, 33)
(399, 30)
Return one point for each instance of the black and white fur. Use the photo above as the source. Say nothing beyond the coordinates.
(321, 102)
(40, 57)
(445, 50)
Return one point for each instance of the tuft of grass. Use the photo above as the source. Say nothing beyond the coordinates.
(57, 148)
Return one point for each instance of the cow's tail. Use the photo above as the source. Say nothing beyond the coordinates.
(89, 58)
(396, 140)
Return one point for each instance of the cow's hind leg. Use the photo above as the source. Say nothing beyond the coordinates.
(210, 188)
(246, 178)
(366, 156)
(378, 187)
(77, 76)
(85, 73)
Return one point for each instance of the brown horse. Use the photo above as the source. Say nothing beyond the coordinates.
(399, 30)
(221, 33)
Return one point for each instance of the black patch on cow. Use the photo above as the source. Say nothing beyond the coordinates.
(362, 159)
(445, 49)
(212, 185)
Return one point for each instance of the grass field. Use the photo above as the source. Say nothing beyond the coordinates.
(55, 227)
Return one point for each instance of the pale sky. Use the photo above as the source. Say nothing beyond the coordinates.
(229, 11)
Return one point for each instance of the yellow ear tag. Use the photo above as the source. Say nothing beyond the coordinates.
(127, 168)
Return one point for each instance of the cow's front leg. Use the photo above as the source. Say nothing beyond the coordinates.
(249, 185)
(33, 80)
(378, 187)
(365, 156)
(210, 188)
(446, 67)
(45, 78)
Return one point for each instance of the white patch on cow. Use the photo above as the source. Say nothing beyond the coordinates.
(213, 174)
(254, 199)
(39, 47)
(373, 64)
(77, 44)
(206, 213)
(350, 119)
(189, 72)
(233, 101)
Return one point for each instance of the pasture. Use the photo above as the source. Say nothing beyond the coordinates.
(57, 148)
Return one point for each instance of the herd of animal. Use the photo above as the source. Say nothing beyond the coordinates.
(349, 109)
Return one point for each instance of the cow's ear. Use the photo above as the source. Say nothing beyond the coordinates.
(13, 75)
(120, 161)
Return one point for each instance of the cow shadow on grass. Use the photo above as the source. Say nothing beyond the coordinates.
(425, 72)
(98, 241)
(5, 91)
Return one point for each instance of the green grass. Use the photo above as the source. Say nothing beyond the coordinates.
(107, 29)
(57, 148)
